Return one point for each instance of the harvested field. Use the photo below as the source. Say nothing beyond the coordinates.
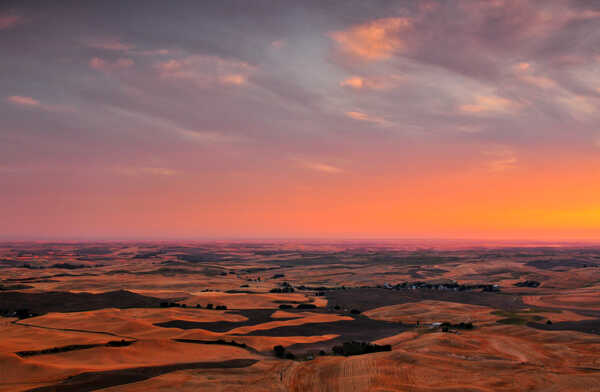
(511, 347)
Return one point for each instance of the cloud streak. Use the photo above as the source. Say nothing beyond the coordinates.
(100, 64)
(375, 40)
(10, 20)
(317, 166)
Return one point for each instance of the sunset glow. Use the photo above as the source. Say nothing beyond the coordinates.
(417, 119)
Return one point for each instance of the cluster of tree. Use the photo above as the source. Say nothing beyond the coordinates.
(528, 283)
(443, 286)
(120, 343)
(198, 306)
(68, 266)
(15, 287)
(352, 311)
(19, 313)
(211, 306)
(220, 342)
(306, 306)
(172, 305)
(277, 276)
(285, 288)
(358, 348)
(72, 347)
(446, 326)
(280, 352)
(33, 267)
(320, 288)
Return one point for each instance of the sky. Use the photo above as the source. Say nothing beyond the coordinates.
(300, 119)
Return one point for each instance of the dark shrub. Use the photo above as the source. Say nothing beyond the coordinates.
(528, 283)
(221, 307)
(358, 348)
(289, 355)
(164, 304)
(279, 351)
(321, 352)
(337, 307)
(355, 311)
(285, 306)
(460, 325)
(286, 289)
(549, 322)
(209, 306)
(198, 306)
(119, 343)
(306, 306)
(23, 313)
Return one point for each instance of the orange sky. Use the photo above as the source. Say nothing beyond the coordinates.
(416, 119)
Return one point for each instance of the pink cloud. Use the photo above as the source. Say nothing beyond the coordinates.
(376, 40)
(361, 116)
(204, 70)
(34, 103)
(280, 43)
(157, 52)
(236, 79)
(8, 21)
(169, 66)
(489, 104)
(107, 66)
(353, 82)
(359, 82)
(109, 44)
(25, 101)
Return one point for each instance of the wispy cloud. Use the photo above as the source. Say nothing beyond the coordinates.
(111, 44)
(106, 66)
(361, 116)
(500, 158)
(278, 44)
(490, 104)
(153, 52)
(316, 166)
(197, 136)
(375, 40)
(207, 136)
(140, 171)
(526, 73)
(353, 82)
(10, 20)
(25, 101)
(29, 102)
(205, 70)
(235, 79)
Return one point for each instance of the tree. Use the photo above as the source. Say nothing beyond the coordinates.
(279, 351)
